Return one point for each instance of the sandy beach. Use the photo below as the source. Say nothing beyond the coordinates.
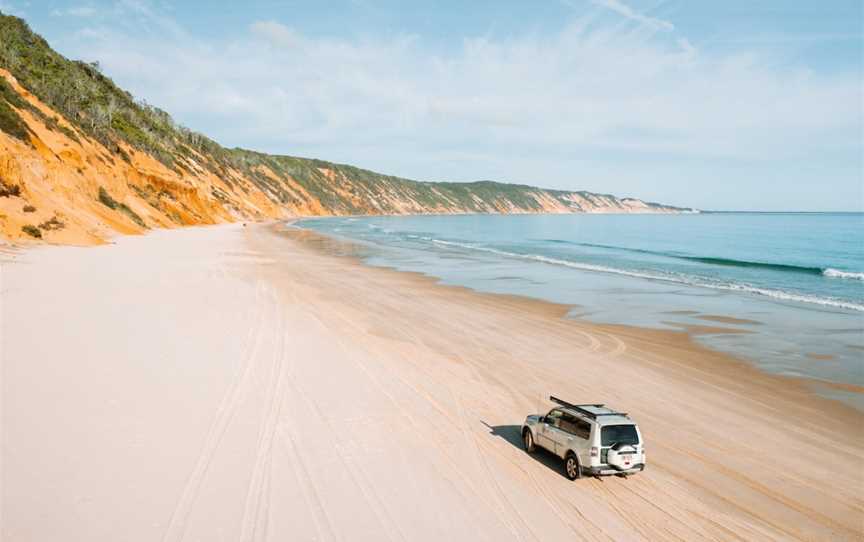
(243, 383)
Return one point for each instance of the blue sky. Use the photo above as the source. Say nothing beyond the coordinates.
(751, 105)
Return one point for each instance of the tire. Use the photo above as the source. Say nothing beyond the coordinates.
(572, 468)
(528, 441)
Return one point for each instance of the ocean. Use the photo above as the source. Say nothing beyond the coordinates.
(782, 290)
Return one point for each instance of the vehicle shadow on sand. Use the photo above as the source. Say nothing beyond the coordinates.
(513, 435)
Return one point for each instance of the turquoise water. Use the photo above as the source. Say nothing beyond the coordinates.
(798, 277)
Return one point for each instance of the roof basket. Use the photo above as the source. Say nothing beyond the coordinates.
(582, 410)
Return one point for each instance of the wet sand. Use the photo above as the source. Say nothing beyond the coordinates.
(728, 319)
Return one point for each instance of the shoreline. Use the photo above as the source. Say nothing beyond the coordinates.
(229, 382)
(673, 354)
(684, 331)
(685, 339)
(764, 292)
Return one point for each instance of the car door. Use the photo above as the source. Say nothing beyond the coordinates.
(559, 433)
(547, 434)
(568, 438)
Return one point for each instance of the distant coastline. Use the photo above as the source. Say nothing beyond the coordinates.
(709, 212)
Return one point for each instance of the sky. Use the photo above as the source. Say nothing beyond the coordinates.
(733, 105)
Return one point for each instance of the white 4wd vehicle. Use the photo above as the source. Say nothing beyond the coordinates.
(592, 439)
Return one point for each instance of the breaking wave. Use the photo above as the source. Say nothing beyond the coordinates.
(837, 274)
(689, 280)
(729, 262)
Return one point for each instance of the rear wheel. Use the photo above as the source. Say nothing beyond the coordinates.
(528, 441)
(572, 468)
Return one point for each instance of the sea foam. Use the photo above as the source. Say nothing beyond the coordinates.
(837, 274)
(677, 278)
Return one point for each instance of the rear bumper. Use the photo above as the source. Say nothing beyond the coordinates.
(607, 470)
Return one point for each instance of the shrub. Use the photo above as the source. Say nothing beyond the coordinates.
(12, 123)
(133, 215)
(106, 199)
(32, 231)
(53, 224)
(29, 209)
(111, 203)
(7, 190)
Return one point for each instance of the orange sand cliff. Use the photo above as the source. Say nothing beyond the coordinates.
(65, 187)
(61, 178)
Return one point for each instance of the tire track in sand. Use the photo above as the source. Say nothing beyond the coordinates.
(257, 501)
(500, 504)
(282, 434)
(485, 377)
(222, 419)
(323, 524)
(416, 426)
(361, 480)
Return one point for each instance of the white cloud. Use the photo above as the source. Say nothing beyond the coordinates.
(630, 13)
(543, 109)
(276, 32)
(75, 11)
(584, 86)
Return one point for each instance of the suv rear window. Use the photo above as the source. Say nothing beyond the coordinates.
(625, 434)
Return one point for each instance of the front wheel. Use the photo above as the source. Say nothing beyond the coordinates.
(571, 467)
(528, 441)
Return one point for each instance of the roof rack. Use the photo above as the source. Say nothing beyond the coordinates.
(581, 408)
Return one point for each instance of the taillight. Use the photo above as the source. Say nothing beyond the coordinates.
(594, 451)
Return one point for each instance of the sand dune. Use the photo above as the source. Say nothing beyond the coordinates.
(233, 383)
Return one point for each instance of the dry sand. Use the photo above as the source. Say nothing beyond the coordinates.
(233, 383)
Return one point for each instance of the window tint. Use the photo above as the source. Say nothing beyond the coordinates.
(583, 429)
(568, 423)
(625, 434)
(554, 417)
(574, 425)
